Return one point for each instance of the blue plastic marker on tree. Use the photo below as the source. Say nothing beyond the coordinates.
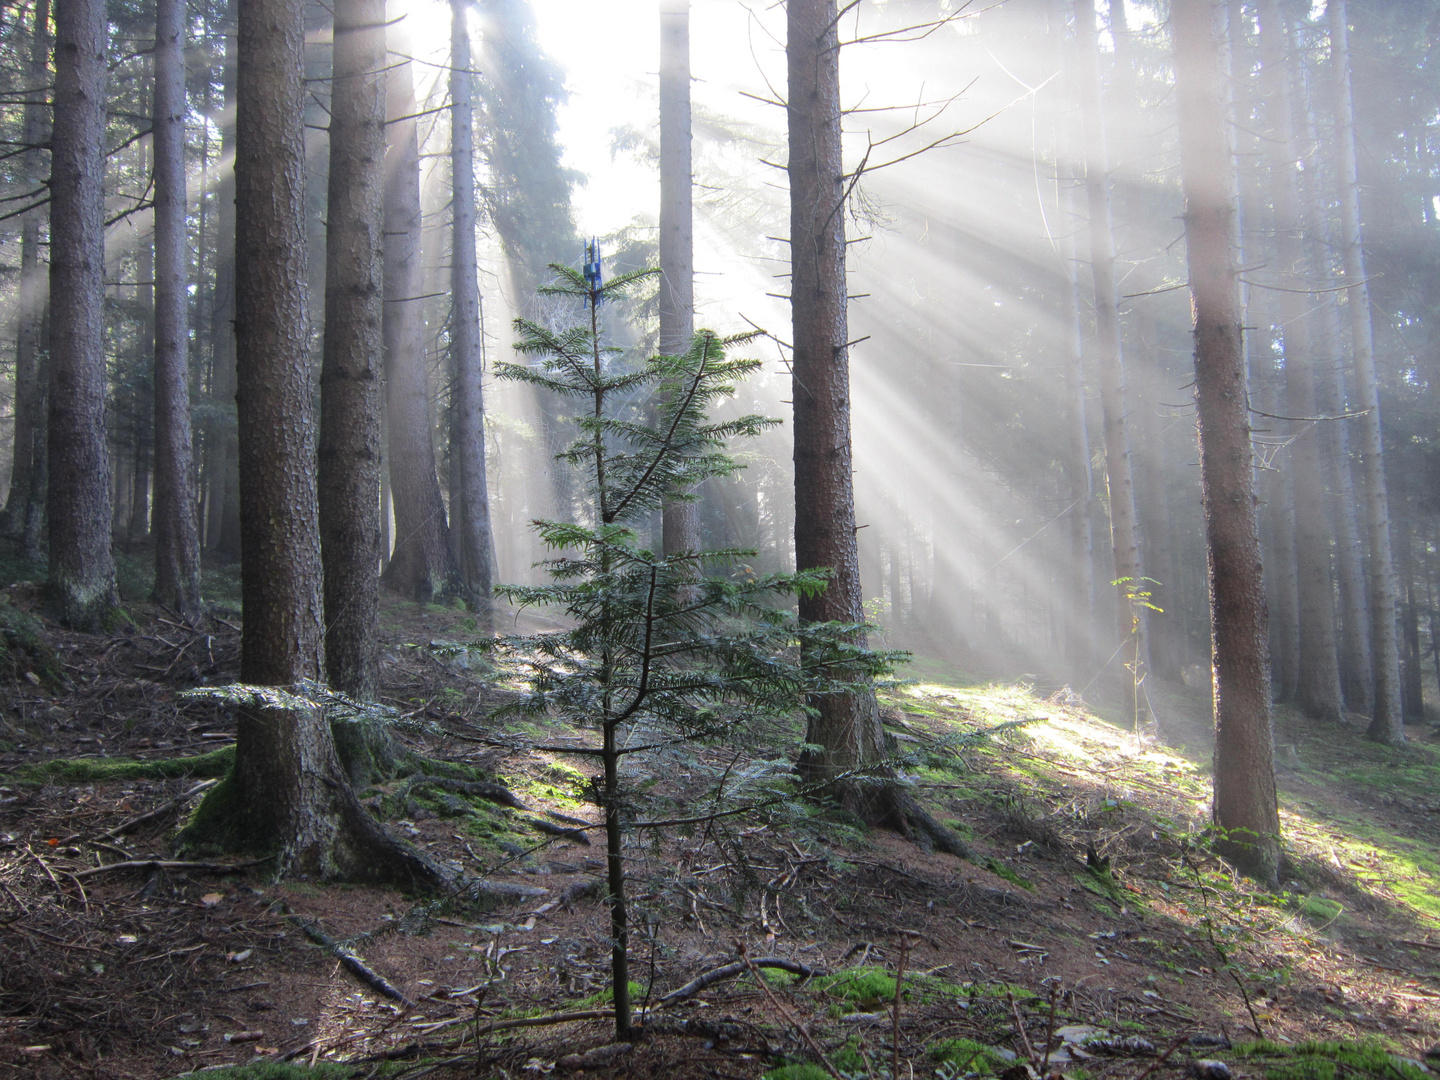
(592, 265)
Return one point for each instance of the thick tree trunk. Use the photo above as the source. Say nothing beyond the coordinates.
(30, 311)
(81, 584)
(1245, 808)
(1129, 572)
(681, 529)
(350, 371)
(1387, 720)
(1318, 673)
(420, 565)
(287, 792)
(471, 519)
(177, 542)
(845, 727)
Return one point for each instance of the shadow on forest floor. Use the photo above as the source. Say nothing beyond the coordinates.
(1090, 902)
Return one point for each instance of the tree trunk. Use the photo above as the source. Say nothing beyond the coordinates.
(1387, 722)
(287, 792)
(222, 531)
(681, 530)
(472, 517)
(1318, 672)
(1353, 639)
(177, 542)
(846, 727)
(29, 419)
(353, 357)
(1245, 807)
(1129, 573)
(420, 565)
(81, 584)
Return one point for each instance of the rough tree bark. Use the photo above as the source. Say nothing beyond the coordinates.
(681, 525)
(1387, 722)
(177, 541)
(287, 791)
(1123, 533)
(845, 727)
(1245, 808)
(30, 311)
(420, 565)
(350, 372)
(471, 519)
(81, 583)
(1317, 691)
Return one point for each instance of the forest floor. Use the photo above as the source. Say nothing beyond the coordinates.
(1090, 934)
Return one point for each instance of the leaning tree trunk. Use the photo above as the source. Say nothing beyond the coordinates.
(420, 564)
(681, 523)
(1387, 722)
(472, 521)
(287, 791)
(81, 584)
(353, 357)
(177, 540)
(1246, 811)
(1129, 573)
(1318, 673)
(29, 420)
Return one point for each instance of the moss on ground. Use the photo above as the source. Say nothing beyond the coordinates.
(1331, 1060)
(99, 770)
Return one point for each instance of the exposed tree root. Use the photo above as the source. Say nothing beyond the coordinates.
(889, 806)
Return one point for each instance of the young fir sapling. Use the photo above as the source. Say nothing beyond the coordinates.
(674, 645)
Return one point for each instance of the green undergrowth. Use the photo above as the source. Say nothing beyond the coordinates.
(100, 770)
(969, 1056)
(1370, 1059)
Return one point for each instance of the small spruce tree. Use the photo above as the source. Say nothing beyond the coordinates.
(672, 644)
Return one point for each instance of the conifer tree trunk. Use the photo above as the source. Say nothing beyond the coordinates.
(351, 367)
(1353, 638)
(681, 529)
(222, 468)
(1079, 479)
(472, 517)
(1387, 722)
(420, 565)
(132, 512)
(287, 791)
(1245, 806)
(177, 542)
(846, 726)
(1318, 672)
(1123, 532)
(81, 584)
(29, 398)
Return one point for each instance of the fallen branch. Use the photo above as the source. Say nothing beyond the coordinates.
(729, 971)
(779, 1006)
(160, 812)
(352, 962)
(524, 1021)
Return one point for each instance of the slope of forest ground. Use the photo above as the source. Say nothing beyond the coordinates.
(1090, 934)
